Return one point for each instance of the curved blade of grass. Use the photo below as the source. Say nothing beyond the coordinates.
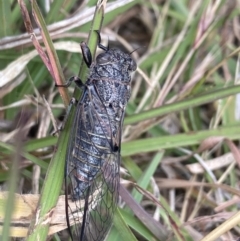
(35, 160)
(53, 58)
(155, 227)
(50, 191)
(96, 25)
(40, 143)
(183, 105)
(138, 226)
(147, 144)
(180, 140)
(122, 229)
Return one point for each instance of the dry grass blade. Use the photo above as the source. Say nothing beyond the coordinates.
(62, 28)
(24, 210)
(53, 63)
(156, 228)
(29, 28)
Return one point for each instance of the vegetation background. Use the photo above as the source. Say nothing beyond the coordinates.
(180, 144)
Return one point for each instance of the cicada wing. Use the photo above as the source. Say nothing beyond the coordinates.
(101, 210)
(74, 209)
(92, 170)
(75, 205)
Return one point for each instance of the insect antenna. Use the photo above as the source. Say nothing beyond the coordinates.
(137, 49)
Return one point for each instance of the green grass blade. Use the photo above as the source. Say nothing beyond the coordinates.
(5, 18)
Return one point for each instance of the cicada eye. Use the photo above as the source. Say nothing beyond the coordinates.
(103, 58)
(132, 65)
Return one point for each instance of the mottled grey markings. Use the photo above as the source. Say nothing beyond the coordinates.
(93, 157)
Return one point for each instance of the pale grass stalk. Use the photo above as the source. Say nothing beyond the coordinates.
(187, 197)
(197, 205)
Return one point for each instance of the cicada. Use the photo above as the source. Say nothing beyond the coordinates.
(93, 156)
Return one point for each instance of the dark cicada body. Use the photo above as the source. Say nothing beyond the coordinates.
(93, 158)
